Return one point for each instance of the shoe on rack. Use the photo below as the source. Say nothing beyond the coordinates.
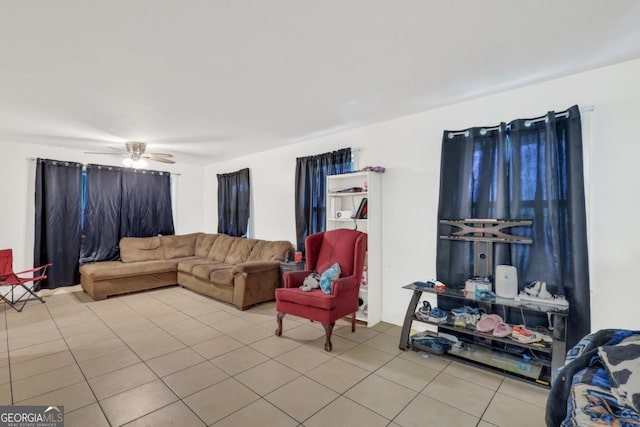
(488, 322)
(420, 336)
(521, 334)
(502, 330)
(471, 320)
(465, 309)
(548, 298)
(457, 311)
(560, 300)
(533, 288)
(525, 336)
(465, 320)
(544, 334)
(484, 295)
(436, 345)
(472, 310)
(533, 338)
(459, 320)
(522, 330)
(472, 316)
(423, 312)
(458, 316)
(544, 293)
(437, 315)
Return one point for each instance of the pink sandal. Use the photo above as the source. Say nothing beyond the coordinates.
(502, 330)
(488, 322)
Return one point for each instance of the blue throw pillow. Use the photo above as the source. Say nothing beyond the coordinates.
(329, 276)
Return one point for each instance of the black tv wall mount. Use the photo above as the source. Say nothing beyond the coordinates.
(484, 232)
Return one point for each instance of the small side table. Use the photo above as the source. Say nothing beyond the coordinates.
(290, 266)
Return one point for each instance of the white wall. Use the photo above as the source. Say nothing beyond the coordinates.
(17, 194)
(409, 147)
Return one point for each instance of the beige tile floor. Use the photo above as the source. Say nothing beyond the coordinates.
(173, 357)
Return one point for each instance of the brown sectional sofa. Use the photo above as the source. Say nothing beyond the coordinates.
(236, 270)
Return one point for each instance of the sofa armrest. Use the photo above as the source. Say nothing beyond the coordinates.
(255, 267)
(255, 282)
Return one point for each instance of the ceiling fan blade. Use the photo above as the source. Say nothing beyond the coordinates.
(160, 154)
(108, 153)
(159, 159)
(120, 150)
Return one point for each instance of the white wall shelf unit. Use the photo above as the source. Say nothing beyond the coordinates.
(363, 185)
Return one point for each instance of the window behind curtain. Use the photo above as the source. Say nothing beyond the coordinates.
(102, 204)
(146, 203)
(310, 194)
(119, 203)
(234, 203)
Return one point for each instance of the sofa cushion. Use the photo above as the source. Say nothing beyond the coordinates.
(178, 246)
(270, 251)
(203, 271)
(223, 276)
(204, 243)
(134, 249)
(187, 265)
(221, 247)
(115, 269)
(239, 251)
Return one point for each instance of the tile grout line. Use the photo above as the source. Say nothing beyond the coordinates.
(179, 399)
(6, 330)
(260, 396)
(205, 359)
(493, 396)
(158, 377)
(80, 369)
(270, 358)
(341, 394)
(97, 401)
(72, 355)
(417, 393)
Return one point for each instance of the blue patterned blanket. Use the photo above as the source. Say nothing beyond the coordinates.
(599, 384)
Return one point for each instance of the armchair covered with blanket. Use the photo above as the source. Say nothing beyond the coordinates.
(344, 247)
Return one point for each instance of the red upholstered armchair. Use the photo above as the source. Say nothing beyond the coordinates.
(346, 247)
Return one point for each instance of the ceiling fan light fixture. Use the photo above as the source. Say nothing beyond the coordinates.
(139, 163)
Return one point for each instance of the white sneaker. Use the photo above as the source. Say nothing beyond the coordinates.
(534, 288)
(543, 293)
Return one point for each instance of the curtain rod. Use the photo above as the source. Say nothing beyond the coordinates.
(563, 114)
(84, 165)
(483, 131)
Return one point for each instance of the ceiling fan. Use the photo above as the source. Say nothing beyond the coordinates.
(135, 155)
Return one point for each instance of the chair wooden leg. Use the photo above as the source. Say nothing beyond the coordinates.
(279, 330)
(328, 329)
(353, 322)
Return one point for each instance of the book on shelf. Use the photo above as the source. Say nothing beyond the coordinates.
(361, 213)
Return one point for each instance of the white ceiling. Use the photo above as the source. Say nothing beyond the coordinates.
(210, 80)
